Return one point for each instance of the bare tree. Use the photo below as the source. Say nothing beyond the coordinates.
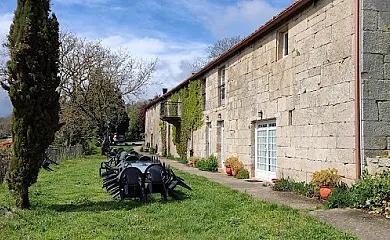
(221, 46)
(94, 82)
(214, 51)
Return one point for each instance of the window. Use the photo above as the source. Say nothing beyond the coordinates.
(285, 44)
(204, 94)
(221, 86)
(282, 43)
(290, 117)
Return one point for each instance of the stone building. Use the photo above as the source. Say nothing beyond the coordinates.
(308, 90)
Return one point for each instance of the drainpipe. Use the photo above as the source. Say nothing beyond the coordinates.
(357, 91)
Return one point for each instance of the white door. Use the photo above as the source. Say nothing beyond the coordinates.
(208, 140)
(265, 152)
(222, 128)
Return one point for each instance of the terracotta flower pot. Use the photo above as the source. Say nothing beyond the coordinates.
(234, 173)
(325, 192)
(274, 179)
(228, 171)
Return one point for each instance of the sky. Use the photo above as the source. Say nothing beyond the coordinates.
(174, 31)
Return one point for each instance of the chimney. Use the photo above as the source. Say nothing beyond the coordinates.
(165, 90)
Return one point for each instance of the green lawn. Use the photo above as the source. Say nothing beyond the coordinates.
(70, 204)
(127, 147)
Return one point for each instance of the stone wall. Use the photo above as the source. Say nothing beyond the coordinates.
(376, 164)
(314, 84)
(375, 76)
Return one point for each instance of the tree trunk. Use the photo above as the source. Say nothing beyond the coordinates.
(105, 145)
(21, 198)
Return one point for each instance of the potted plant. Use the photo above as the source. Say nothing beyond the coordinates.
(326, 180)
(228, 163)
(192, 161)
(236, 166)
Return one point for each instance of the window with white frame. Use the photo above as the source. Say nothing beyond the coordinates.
(285, 44)
(282, 40)
(221, 86)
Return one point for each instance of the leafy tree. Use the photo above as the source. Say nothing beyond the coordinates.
(33, 43)
(136, 125)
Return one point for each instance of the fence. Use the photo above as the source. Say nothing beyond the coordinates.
(64, 153)
(56, 154)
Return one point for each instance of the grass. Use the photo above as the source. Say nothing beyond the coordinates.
(70, 204)
(126, 147)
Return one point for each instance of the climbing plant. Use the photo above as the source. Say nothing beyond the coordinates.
(163, 132)
(191, 115)
(174, 98)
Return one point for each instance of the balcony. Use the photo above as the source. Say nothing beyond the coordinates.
(170, 112)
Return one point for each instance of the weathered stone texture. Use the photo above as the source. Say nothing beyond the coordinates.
(375, 80)
(315, 82)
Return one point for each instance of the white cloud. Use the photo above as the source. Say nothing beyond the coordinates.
(245, 17)
(230, 20)
(5, 23)
(174, 58)
(5, 103)
(146, 47)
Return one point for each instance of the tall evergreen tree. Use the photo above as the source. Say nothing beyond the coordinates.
(33, 43)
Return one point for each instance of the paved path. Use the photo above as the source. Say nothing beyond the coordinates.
(360, 223)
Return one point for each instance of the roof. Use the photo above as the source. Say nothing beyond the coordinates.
(283, 15)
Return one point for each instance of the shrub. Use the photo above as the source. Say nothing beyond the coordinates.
(89, 147)
(326, 177)
(242, 174)
(372, 192)
(208, 164)
(282, 184)
(192, 161)
(236, 164)
(183, 160)
(164, 152)
(297, 187)
(228, 162)
(152, 150)
(340, 197)
(170, 156)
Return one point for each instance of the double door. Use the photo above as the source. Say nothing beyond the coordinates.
(265, 151)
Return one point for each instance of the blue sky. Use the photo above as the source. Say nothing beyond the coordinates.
(174, 31)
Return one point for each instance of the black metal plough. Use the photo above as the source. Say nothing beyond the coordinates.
(127, 174)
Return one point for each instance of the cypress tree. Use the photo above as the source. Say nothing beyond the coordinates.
(33, 43)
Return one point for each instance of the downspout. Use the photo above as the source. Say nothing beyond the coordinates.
(357, 91)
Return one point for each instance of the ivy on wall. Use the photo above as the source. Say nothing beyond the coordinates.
(191, 115)
(174, 98)
(163, 132)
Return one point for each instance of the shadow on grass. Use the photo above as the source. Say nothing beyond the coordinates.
(102, 206)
